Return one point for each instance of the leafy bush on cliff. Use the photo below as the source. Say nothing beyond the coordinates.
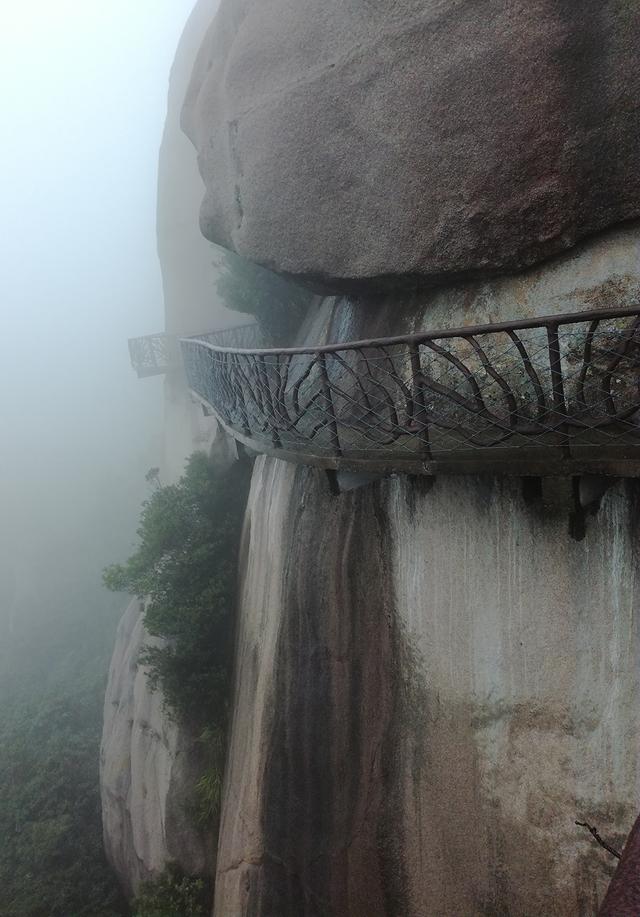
(185, 565)
(173, 895)
(278, 304)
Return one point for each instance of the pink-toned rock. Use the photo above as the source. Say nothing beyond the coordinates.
(623, 896)
(353, 142)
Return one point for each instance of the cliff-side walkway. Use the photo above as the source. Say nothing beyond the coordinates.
(553, 395)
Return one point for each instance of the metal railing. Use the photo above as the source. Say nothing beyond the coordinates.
(555, 394)
(154, 354)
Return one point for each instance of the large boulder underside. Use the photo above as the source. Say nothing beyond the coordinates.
(371, 140)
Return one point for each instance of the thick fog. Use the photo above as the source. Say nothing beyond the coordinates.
(83, 87)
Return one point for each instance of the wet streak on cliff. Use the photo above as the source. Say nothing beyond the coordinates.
(329, 824)
(589, 101)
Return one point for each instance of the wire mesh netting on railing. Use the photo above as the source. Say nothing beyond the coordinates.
(571, 383)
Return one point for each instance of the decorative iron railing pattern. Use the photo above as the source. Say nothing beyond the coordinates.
(561, 391)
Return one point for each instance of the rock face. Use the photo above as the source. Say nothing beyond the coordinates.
(148, 769)
(385, 141)
(424, 712)
(191, 303)
(149, 765)
(186, 258)
(436, 679)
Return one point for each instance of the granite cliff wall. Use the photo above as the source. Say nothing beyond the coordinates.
(423, 715)
(369, 140)
(435, 679)
(191, 304)
(149, 763)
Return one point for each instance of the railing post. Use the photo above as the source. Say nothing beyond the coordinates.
(419, 416)
(275, 436)
(235, 362)
(330, 408)
(557, 382)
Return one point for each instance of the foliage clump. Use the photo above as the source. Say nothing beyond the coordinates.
(278, 304)
(185, 566)
(173, 895)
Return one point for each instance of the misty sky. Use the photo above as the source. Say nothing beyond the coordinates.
(83, 86)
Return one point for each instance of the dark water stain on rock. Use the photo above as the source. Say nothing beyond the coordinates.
(328, 815)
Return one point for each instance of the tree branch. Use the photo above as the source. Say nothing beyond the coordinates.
(594, 833)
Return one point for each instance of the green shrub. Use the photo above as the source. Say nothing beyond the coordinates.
(278, 304)
(205, 808)
(173, 895)
(186, 567)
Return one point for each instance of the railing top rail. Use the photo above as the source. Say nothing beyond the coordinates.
(215, 331)
(547, 321)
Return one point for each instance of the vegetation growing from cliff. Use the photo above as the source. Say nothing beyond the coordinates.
(173, 895)
(278, 304)
(186, 566)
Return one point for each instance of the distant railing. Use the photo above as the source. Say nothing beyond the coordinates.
(154, 354)
(551, 395)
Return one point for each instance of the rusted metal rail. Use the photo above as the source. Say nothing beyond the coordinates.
(559, 394)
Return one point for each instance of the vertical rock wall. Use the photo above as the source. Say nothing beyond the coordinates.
(435, 682)
(525, 647)
(435, 679)
(150, 764)
(148, 769)
(306, 783)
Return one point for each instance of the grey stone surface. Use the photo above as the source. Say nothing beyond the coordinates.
(434, 679)
(424, 711)
(186, 258)
(148, 769)
(359, 140)
(149, 764)
(191, 303)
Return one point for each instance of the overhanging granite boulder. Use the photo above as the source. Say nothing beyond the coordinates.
(373, 141)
